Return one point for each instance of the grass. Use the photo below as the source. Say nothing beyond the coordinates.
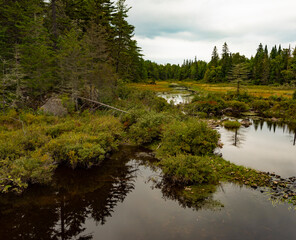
(159, 86)
(254, 90)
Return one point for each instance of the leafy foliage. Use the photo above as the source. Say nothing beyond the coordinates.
(231, 124)
(190, 136)
(30, 152)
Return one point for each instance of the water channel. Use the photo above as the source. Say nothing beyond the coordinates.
(126, 198)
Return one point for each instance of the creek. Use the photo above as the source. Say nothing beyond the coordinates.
(126, 197)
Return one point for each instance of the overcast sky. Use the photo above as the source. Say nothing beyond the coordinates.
(169, 31)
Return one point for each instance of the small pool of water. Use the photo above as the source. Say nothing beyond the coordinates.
(179, 95)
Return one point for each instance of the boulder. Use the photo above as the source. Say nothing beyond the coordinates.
(55, 107)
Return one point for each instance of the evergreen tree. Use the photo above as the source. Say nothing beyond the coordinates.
(124, 51)
(215, 58)
(225, 60)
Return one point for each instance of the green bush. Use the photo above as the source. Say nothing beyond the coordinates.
(208, 103)
(237, 107)
(81, 149)
(191, 136)
(260, 105)
(147, 126)
(35, 168)
(30, 152)
(188, 169)
(231, 124)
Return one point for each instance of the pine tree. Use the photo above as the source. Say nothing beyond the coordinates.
(238, 74)
(99, 75)
(124, 51)
(225, 60)
(215, 58)
(71, 64)
(36, 54)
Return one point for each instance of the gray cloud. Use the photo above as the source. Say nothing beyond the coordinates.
(171, 30)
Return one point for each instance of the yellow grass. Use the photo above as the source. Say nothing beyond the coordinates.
(257, 91)
(157, 87)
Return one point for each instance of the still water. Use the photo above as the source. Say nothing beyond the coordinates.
(126, 198)
(265, 146)
(179, 95)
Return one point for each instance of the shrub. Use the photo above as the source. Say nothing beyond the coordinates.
(260, 105)
(188, 169)
(147, 127)
(237, 106)
(205, 103)
(191, 136)
(231, 124)
(16, 174)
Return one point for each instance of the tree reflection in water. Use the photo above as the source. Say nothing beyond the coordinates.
(60, 211)
(196, 197)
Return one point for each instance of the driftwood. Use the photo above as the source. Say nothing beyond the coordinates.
(103, 104)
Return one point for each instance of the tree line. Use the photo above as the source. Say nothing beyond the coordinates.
(275, 67)
(72, 46)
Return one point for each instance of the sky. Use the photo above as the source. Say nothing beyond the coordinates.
(169, 31)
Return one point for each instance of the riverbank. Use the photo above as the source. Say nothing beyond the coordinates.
(34, 144)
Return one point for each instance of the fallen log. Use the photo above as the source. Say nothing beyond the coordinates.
(103, 104)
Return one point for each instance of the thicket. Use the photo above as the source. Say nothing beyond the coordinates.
(32, 146)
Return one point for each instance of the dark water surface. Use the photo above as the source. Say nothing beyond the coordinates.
(125, 198)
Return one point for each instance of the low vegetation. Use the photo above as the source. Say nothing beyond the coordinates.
(231, 124)
(32, 146)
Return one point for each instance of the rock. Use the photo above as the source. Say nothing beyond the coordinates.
(55, 107)
(246, 123)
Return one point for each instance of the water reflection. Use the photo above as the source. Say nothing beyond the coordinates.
(176, 98)
(60, 211)
(195, 197)
(78, 199)
(180, 95)
(237, 137)
(117, 201)
(265, 145)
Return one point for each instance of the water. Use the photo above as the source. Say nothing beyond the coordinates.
(265, 146)
(119, 200)
(180, 95)
(126, 198)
